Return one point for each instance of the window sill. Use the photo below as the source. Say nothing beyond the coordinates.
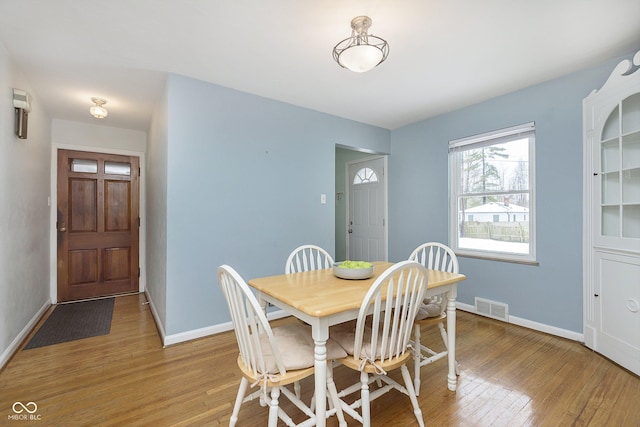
(495, 257)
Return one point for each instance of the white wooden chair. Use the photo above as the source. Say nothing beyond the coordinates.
(306, 258)
(380, 341)
(434, 256)
(272, 358)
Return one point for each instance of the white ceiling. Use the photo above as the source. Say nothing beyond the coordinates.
(444, 54)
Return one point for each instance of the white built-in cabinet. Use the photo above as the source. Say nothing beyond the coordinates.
(611, 256)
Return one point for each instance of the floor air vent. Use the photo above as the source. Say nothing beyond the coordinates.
(493, 309)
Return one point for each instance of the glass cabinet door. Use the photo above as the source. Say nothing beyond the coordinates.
(620, 171)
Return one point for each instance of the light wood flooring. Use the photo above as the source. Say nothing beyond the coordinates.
(509, 376)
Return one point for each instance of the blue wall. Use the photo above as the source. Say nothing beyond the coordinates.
(551, 292)
(245, 175)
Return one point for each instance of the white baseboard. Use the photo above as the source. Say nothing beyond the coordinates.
(212, 330)
(208, 330)
(15, 344)
(155, 315)
(166, 339)
(541, 327)
(196, 333)
(182, 336)
(278, 314)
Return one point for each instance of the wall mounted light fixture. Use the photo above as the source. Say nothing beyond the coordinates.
(98, 111)
(22, 106)
(361, 52)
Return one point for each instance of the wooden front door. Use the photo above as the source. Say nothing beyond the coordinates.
(98, 224)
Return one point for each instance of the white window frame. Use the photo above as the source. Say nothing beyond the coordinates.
(484, 140)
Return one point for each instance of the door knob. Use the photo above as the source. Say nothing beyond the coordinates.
(350, 231)
(63, 228)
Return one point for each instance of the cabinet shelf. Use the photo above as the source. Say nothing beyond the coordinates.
(634, 133)
(610, 156)
(631, 150)
(631, 114)
(631, 185)
(610, 191)
(611, 128)
(619, 188)
(631, 221)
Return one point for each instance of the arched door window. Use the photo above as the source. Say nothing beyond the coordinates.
(365, 176)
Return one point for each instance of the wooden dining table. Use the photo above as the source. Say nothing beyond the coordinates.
(321, 299)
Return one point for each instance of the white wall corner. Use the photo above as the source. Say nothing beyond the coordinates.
(156, 317)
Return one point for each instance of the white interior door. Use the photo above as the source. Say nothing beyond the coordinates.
(366, 220)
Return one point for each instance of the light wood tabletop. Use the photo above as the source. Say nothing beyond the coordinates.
(320, 293)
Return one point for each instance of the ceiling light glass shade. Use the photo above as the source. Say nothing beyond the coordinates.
(360, 58)
(361, 52)
(98, 111)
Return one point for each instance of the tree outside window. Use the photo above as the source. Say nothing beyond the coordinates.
(491, 194)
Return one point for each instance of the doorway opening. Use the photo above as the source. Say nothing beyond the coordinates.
(361, 207)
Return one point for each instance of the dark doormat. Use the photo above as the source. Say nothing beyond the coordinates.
(74, 321)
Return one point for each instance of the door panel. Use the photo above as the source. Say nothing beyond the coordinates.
(117, 209)
(618, 308)
(367, 235)
(83, 266)
(98, 224)
(83, 196)
(116, 264)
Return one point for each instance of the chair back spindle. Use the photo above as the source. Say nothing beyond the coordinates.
(307, 258)
(436, 256)
(390, 322)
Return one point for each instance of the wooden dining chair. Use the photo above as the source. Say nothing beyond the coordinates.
(306, 258)
(434, 256)
(272, 358)
(380, 341)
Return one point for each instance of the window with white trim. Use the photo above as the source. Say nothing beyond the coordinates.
(492, 203)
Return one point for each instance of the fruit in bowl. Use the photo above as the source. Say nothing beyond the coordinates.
(353, 270)
(355, 264)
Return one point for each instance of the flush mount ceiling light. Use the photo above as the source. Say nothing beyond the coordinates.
(361, 52)
(98, 111)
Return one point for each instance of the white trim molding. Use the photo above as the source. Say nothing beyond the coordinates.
(15, 344)
(180, 337)
(530, 324)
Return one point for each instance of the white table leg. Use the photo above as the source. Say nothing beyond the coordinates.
(320, 336)
(452, 379)
(263, 303)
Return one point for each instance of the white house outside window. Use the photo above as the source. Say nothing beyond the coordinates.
(492, 204)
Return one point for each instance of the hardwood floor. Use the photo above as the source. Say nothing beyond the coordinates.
(510, 376)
